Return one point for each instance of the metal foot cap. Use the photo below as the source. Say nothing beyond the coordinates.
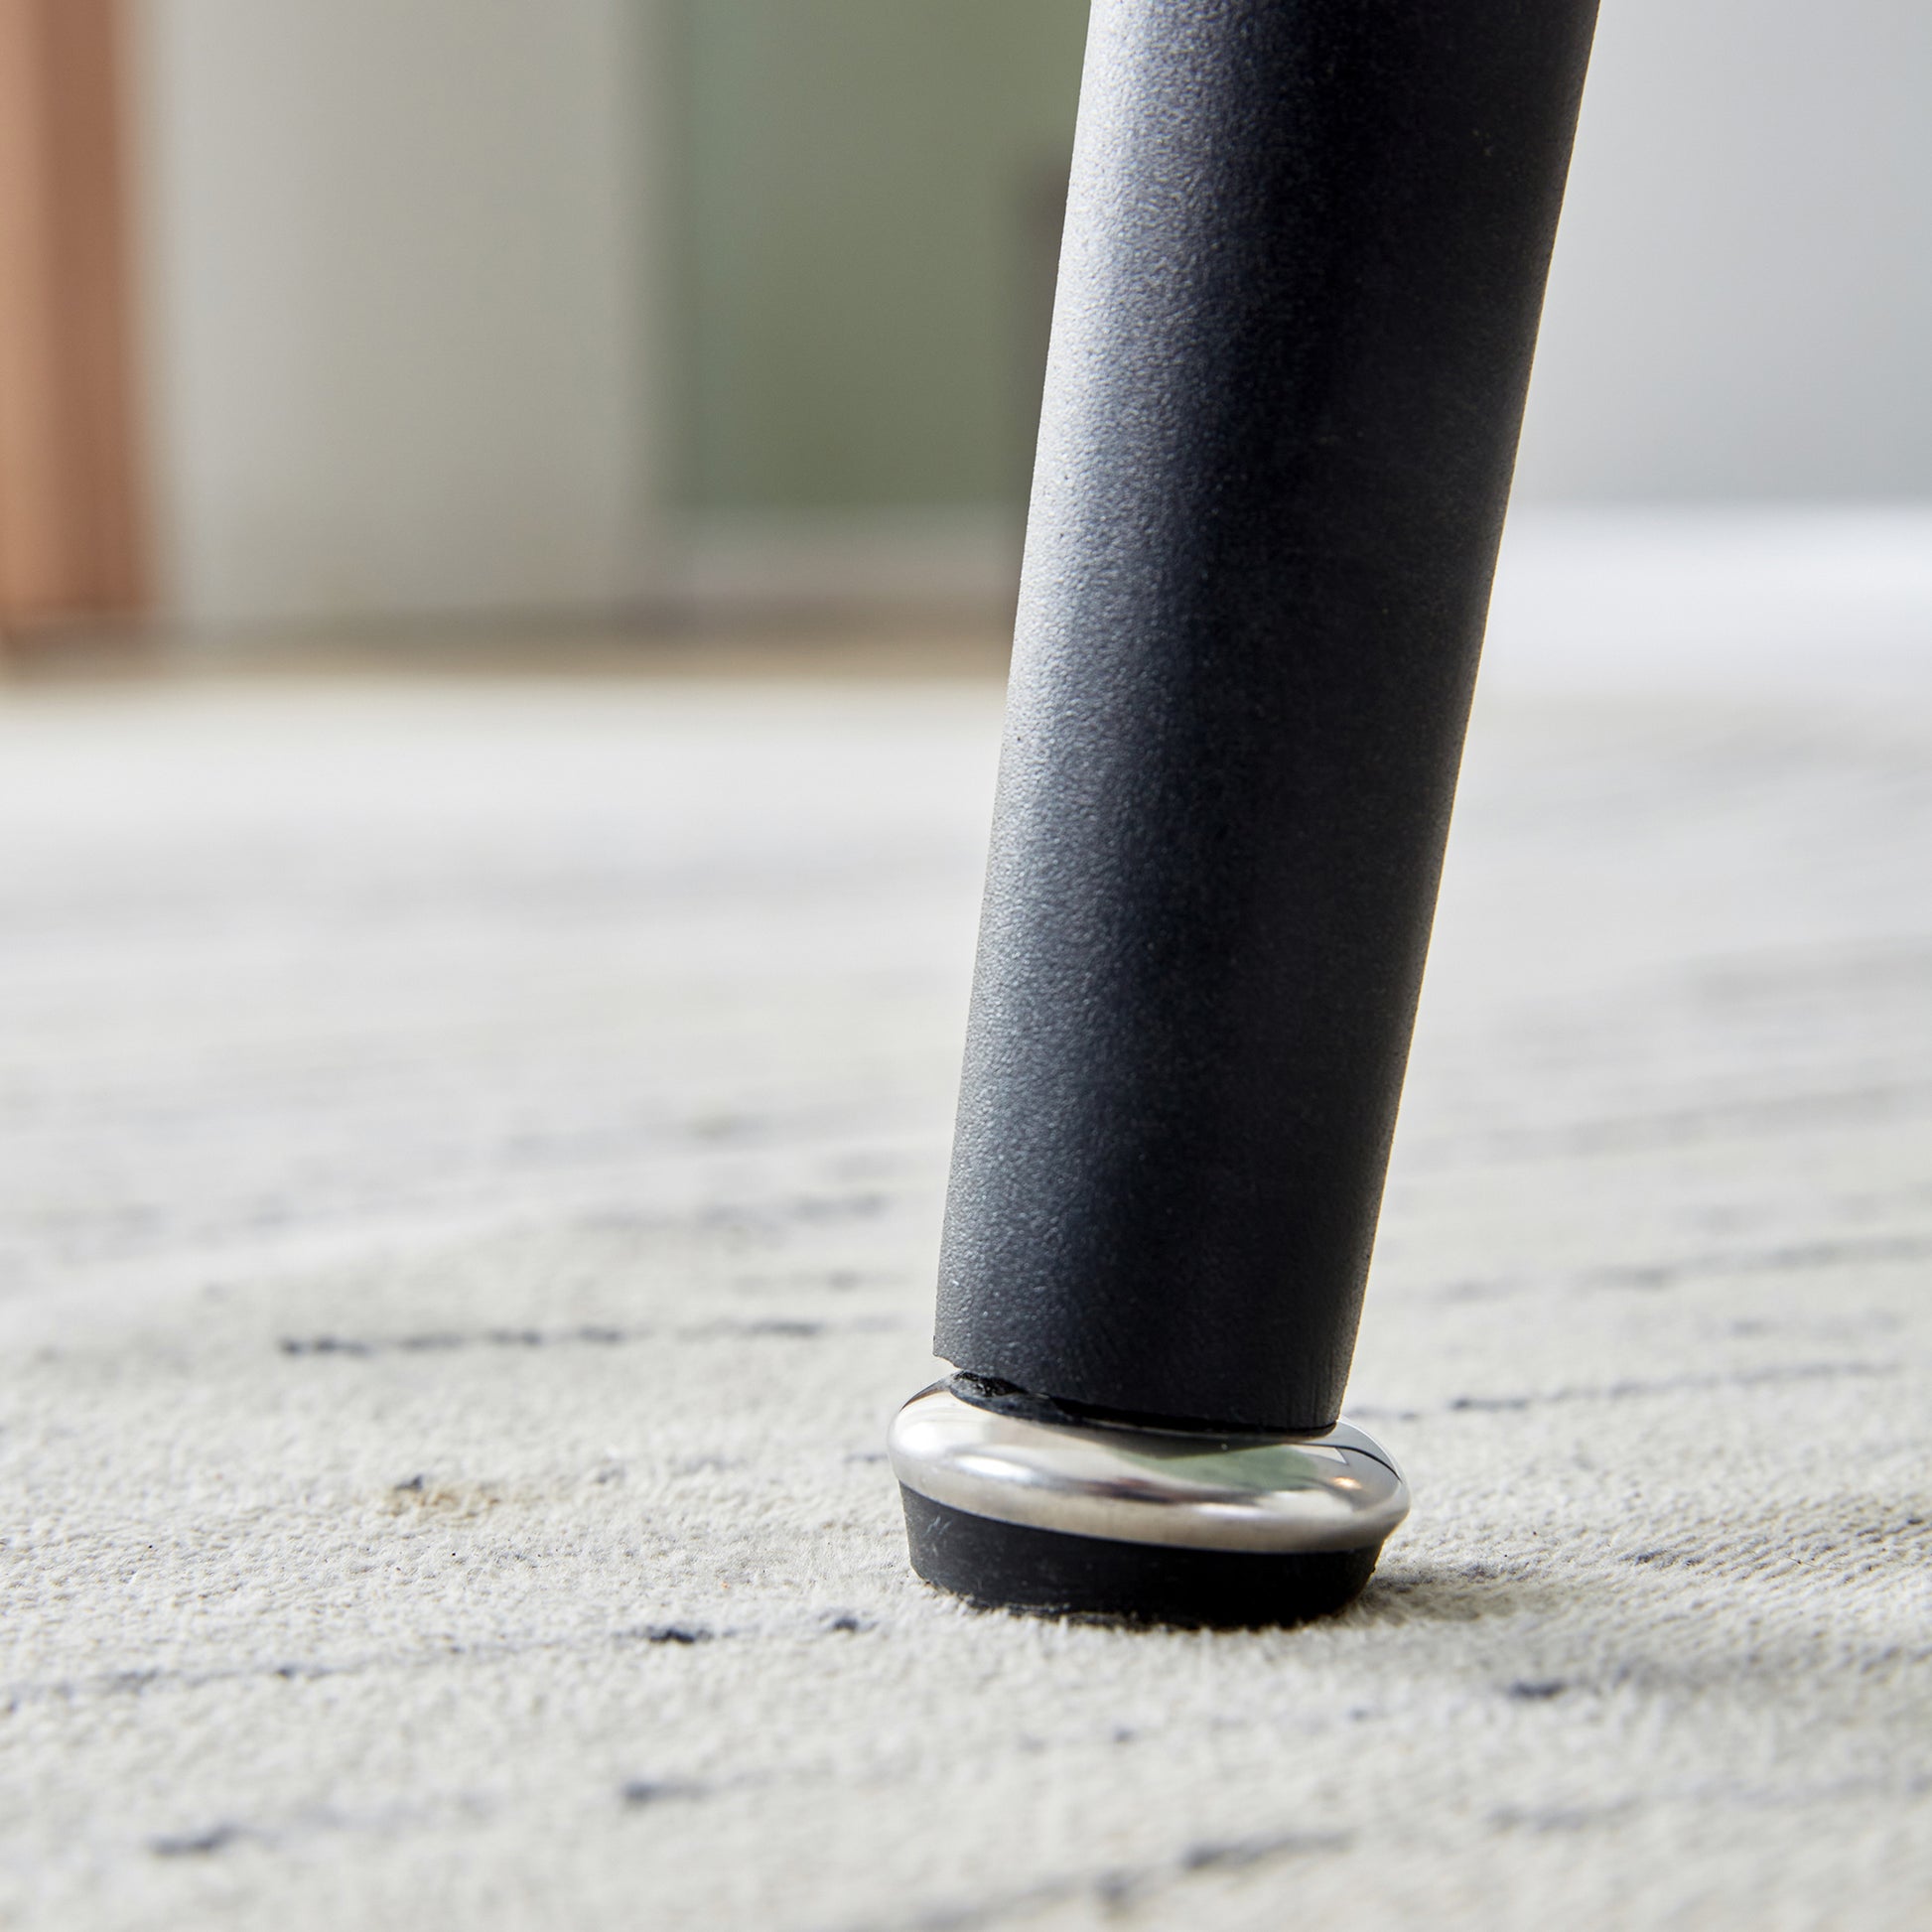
(1020, 1504)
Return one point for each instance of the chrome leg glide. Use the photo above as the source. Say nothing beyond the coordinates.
(1019, 1502)
(1305, 256)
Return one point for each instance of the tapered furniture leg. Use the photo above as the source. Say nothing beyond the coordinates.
(1305, 251)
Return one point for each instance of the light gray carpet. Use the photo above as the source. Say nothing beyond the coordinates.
(469, 1167)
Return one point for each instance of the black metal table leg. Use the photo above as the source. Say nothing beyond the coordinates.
(1306, 245)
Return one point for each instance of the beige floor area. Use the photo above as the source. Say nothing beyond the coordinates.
(471, 1154)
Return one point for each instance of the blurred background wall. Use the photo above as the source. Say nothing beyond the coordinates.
(656, 309)
(398, 340)
(1741, 295)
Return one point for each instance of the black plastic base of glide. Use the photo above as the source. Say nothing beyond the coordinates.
(1013, 1566)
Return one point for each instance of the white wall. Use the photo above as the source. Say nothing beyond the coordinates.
(1740, 305)
(395, 304)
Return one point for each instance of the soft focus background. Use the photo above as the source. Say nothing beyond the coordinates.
(639, 316)
(509, 512)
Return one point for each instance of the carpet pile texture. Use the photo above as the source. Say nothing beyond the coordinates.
(470, 1159)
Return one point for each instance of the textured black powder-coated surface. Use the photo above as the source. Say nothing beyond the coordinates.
(1306, 254)
(1013, 1566)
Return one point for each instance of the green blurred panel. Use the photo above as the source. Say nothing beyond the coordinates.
(871, 196)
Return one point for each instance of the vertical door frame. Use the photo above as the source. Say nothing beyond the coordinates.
(70, 513)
